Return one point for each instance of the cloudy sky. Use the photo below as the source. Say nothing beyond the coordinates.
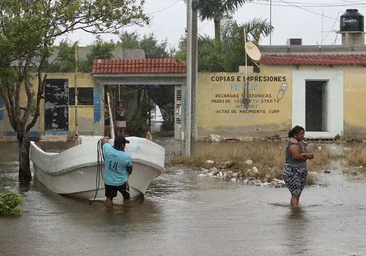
(314, 21)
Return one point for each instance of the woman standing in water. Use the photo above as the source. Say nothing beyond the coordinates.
(295, 172)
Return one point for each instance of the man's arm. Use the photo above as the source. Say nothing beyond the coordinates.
(129, 170)
(105, 140)
(129, 166)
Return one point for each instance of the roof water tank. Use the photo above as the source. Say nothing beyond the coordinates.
(352, 20)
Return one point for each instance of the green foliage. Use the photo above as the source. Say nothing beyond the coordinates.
(129, 41)
(136, 127)
(232, 46)
(10, 203)
(65, 60)
(99, 50)
(151, 46)
(216, 10)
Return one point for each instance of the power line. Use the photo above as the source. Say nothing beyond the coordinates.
(163, 8)
(304, 9)
(307, 5)
(331, 30)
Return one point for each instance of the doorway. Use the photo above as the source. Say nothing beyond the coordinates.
(316, 109)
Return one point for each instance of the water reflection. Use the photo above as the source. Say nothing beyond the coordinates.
(297, 232)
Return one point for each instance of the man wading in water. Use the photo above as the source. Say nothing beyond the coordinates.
(117, 168)
(295, 172)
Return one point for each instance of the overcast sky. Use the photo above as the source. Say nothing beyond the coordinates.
(304, 19)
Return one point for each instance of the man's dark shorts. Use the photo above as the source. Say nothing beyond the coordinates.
(111, 191)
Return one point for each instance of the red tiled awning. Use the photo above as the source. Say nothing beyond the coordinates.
(139, 66)
(318, 60)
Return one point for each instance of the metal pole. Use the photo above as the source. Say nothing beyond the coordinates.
(246, 86)
(76, 94)
(321, 33)
(270, 21)
(110, 115)
(188, 132)
(194, 70)
(119, 92)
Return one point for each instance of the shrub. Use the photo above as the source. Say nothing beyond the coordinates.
(10, 203)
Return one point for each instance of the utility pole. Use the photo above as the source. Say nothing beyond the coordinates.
(76, 94)
(194, 70)
(270, 21)
(188, 89)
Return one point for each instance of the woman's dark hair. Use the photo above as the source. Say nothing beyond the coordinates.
(296, 130)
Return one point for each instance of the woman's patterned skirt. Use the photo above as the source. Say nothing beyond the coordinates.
(295, 179)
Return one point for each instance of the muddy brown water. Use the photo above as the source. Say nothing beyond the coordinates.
(183, 214)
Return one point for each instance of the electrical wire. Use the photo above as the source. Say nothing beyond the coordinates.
(308, 5)
(331, 30)
(100, 167)
(163, 8)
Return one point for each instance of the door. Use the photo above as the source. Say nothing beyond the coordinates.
(56, 105)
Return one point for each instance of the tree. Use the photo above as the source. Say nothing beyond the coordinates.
(129, 41)
(99, 50)
(28, 30)
(151, 46)
(233, 46)
(65, 59)
(233, 42)
(216, 10)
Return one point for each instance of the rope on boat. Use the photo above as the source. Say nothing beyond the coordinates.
(100, 163)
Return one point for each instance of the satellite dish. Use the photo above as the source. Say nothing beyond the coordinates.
(252, 51)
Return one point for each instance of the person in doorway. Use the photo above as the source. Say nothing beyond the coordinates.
(117, 168)
(120, 119)
(295, 171)
(107, 123)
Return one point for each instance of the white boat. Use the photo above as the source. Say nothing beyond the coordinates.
(74, 172)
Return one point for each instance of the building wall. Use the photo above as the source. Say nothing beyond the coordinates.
(355, 102)
(221, 110)
(86, 113)
(354, 95)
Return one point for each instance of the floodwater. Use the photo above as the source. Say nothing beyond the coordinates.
(183, 214)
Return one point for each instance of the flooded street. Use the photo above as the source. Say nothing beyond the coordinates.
(183, 214)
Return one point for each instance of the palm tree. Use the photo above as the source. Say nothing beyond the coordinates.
(216, 10)
(233, 41)
(233, 45)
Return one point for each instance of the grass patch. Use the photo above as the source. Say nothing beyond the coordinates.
(356, 154)
(267, 157)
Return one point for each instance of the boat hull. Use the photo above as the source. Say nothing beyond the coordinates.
(75, 171)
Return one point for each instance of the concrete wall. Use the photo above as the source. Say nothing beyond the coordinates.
(221, 110)
(354, 101)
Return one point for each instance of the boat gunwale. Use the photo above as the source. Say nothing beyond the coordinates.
(42, 153)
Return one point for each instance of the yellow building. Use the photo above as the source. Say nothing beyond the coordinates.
(57, 110)
(321, 89)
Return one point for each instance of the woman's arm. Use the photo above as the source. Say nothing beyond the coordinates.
(295, 152)
(308, 154)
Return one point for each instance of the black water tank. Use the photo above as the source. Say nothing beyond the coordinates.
(352, 20)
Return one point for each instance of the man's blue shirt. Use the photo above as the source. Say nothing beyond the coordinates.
(115, 164)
